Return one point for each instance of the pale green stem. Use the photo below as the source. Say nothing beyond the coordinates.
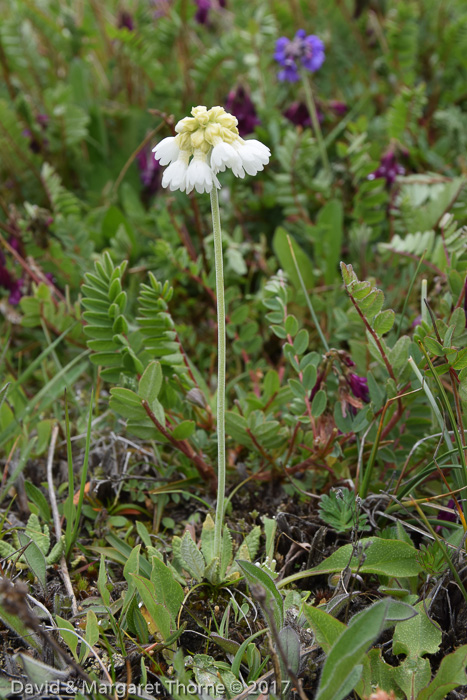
(424, 309)
(307, 298)
(433, 404)
(216, 226)
(310, 103)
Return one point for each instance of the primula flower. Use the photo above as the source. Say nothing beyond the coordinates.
(388, 169)
(240, 105)
(211, 139)
(302, 51)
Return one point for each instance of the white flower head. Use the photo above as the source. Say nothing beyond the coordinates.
(166, 151)
(200, 175)
(175, 176)
(211, 138)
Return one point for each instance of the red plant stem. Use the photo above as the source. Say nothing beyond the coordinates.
(25, 266)
(375, 337)
(205, 470)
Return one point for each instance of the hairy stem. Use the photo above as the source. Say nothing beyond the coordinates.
(216, 225)
(310, 103)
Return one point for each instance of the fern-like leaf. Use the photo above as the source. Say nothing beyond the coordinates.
(368, 300)
(105, 302)
(157, 325)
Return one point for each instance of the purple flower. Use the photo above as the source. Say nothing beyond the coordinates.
(447, 517)
(43, 120)
(240, 105)
(162, 8)
(388, 169)
(317, 386)
(7, 281)
(202, 12)
(125, 20)
(299, 115)
(340, 108)
(359, 387)
(303, 51)
(149, 171)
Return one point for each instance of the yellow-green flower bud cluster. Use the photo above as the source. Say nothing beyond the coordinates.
(205, 128)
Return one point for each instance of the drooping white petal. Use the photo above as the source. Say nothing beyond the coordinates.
(224, 155)
(166, 151)
(200, 176)
(175, 176)
(254, 155)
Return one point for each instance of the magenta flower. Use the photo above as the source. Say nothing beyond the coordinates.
(445, 516)
(240, 105)
(301, 52)
(359, 387)
(388, 169)
(8, 282)
(150, 171)
(340, 108)
(299, 115)
(202, 12)
(125, 21)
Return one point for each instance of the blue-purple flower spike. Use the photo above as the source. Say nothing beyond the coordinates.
(302, 51)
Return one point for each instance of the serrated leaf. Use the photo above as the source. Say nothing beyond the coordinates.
(226, 552)
(207, 539)
(193, 560)
(168, 591)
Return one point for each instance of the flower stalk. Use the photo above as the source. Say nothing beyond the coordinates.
(221, 340)
(311, 106)
(207, 143)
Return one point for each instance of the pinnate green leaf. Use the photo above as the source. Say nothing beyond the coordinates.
(384, 321)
